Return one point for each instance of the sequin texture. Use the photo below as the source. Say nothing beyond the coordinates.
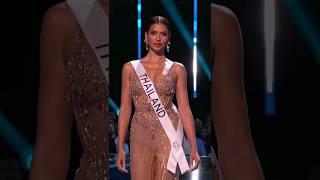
(88, 93)
(149, 144)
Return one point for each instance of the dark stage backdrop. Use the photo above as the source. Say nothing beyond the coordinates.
(286, 142)
(18, 80)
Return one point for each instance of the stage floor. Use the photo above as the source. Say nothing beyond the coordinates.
(204, 172)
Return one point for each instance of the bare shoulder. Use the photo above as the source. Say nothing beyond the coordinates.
(219, 11)
(222, 19)
(58, 15)
(178, 69)
(225, 28)
(127, 67)
(178, 66)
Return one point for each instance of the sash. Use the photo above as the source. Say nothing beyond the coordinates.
(176, 155)
(94, 24)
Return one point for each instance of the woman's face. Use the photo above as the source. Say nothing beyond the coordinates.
(158, 37)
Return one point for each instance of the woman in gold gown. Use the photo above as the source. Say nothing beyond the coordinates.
(149, 144)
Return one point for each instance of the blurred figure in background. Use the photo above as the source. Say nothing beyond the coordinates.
(73, 84)
(200, 143)
(236, 152)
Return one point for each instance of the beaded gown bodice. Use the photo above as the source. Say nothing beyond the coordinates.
(149, 144)
(88, 93)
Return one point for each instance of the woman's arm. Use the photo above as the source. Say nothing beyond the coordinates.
(236, 152)
(54, 114)
(125, 106)
(183, 104)
(184, 110)
(124, 117)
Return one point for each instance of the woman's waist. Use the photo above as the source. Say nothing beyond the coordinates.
(150, 113)
(147, 108)
(150, 119)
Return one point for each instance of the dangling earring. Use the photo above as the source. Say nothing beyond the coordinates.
(146, 42)
(168, 47)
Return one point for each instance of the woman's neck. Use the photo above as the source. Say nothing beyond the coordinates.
(154, 58)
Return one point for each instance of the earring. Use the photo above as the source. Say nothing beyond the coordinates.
(146, 42)
(168, 47)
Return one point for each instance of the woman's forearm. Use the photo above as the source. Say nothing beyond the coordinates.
(123, 124)
(188, 125)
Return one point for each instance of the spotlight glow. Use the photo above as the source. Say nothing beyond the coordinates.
(195, 54)
(172, 10)
(114, 106)
(16, 141)
(139, 24)
(194, 68)
(269, 34)
(305, 23)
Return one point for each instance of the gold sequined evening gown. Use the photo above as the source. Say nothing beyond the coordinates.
(149, 144)
(88, 93)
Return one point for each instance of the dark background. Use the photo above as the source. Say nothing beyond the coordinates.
(286, 142)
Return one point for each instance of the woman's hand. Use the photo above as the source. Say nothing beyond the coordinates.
(121, 161)
(194, 160)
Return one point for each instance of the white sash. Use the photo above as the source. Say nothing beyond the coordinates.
(177, 155)
(95, 25)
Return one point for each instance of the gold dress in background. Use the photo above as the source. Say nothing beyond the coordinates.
(149, 144)
(88, 93)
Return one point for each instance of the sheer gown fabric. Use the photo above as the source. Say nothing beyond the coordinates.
(88, 93)
(149, 144)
